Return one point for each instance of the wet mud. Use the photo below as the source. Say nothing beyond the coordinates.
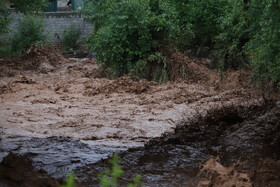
(232, 146)
(60, 114)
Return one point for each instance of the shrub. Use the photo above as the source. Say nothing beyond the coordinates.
(4, 21)
(129, 32)
(234, 33)
(264, 46)
(30, 31)
(126, 33)
(71, 37)
(197, 23)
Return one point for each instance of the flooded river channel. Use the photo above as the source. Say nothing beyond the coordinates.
(59, 115)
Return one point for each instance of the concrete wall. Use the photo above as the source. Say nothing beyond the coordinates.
(62, 3)
(57, 22)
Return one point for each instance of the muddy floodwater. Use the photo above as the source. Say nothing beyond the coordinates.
(59, 115)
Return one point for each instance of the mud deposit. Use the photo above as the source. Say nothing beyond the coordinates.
(246, 140)
(59, 114)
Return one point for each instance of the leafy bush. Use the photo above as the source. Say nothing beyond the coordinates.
(233, 35)
(126, 33)
(251, 29)
(29, 6)
(4, 20)
(30, 31)
(4, 23)
(71, 37)
(22, 6)
(264, 46)
(197, 23)
(129, 32)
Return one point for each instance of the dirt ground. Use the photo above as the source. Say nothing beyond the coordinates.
(44, 94)
(47, 94)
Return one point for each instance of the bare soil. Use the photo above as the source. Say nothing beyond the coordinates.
(44, 95)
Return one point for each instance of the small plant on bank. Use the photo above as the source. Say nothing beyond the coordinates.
(110, 177)
(71, 37)
(70, 180)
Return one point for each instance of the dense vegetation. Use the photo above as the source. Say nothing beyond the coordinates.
(130, 35)
(4, 21)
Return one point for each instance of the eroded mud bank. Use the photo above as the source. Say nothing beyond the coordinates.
(248, 136)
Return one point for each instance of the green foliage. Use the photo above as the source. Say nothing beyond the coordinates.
(70, 180)
(126, 33)
(22, 39)
(4, 29)
(136, 181)
(29, 6)
(197, 23)
(264, 46)
(23, 6)
(250, 28)
(71, 37)
(158, 66)
(30, 31)
(4, 20)
(235, 34)
(140, 70)
(232, 31)
(117, 42)
(110, 177)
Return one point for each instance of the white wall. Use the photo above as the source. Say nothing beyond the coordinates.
(62, 3)
(56, 23)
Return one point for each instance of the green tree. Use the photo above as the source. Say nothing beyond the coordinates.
(197, 23)
(234, 33)
(4, 20)
(264, 46)
(127, 32)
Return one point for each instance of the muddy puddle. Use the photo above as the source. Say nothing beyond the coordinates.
(60, 114)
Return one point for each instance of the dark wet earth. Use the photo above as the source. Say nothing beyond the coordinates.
(235, 134)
